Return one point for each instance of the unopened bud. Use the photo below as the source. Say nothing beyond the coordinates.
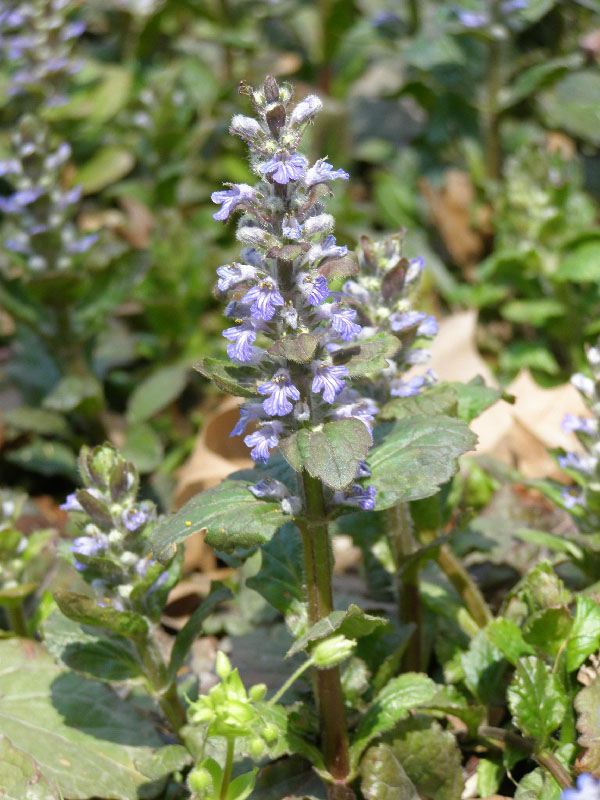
(257, 746)
(257, 692)
(223, 665)
(270, 733)
(305, 110)
(199, 780)
(246, 127)
(331, 652)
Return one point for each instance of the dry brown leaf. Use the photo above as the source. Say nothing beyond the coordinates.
(451, 211)
(139, 222)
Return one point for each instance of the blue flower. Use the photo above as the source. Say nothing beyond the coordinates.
(232, 274)
(406, 320)
(285, 166)
(322, 171)
(328, 379)
(248, 412)
(584, 384)
(269, 487)
(342, 321)
(326, 249)
(18, 200)
(71, 503)
(230, 199)
(291, 228)
(580, 462)
(262, 440)
(280, 388)
(363, 409)
(572, 423)
(264, 297)
(357, 496)
(588, 788)
(400, 388)
(242, 336)
(134, 518)
(315, 289)
(428, 327)
(88, 546)
(572, 497)
(305, 109)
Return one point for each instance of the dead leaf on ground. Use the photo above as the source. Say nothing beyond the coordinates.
(452, 212)
(519, 434)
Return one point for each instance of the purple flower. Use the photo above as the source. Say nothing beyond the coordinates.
(428, 327)
(248, 412)
(472, 19)
(81, 245)
(571, 498)
(88, 546)
(400, 388)
(134, 518)
(415, 267)
(585, 385)
(232, 274)
(572, 423)
(305, 109)
(406, 320)
(321, 172)
(264, 297)
(284, 166)
(266, 437)
(230, 199)
(342, 321)
(291, 227)
(326, 249)
(328, 379)
(363, 409)
(241, 337)
(269, 487)
(581, 463)
(588, 788)
(363, 470)
(280, 388)
(315, 289)
(18, 200)
(9, 166)
(358, 292)
(357, 496)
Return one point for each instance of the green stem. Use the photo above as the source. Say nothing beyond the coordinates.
(329, 698)
(545, 759)
(491, 111)
(16, 619)
(228, 768)
(278, 695)
(164, 692)
(414, 17)
(402, 545)
(465, 586)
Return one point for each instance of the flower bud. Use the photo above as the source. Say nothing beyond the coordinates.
(257, 692)
(199, 780)
(332, 651)
(270, 733)
(306, 109)
(223, 665)
(322, 223)
(257, 746)
(250, 234)
(246, 127)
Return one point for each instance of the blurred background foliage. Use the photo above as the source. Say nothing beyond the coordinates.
(474, 125)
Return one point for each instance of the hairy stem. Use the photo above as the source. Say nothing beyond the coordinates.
(156, 675)
(228, 768)
(545, 759)
(318, 573)
(16, 619)
(402, 545)
(465, 586)
(491, 110)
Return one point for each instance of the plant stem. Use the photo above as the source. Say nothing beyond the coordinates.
(318, 573)
(465, 586)
(156, 675)
(16, 619)
(491, 111)
(228, 768)
(402, 545)
(278, 695)
(414, 17)
(545, 759)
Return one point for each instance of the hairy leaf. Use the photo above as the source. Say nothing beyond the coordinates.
(229, 512)
(548, 630)
(414, 456)
(585, 633)
(280, 579)
(383, 777)
(507, 637)
(536, 699)
(367, 356)
(21, 776)
(85, 610)
(474, 397)
(230, 378)
(484, 667)
(352, 624)
(331, 453)
(440, 399)
(587, 705)
(299, 348)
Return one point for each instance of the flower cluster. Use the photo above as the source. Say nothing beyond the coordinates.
(383, 293)
(37, 41)
(287, 325)
(40, 229)
(482, 19)
(584, 467)
(588, 788)
(110, 552)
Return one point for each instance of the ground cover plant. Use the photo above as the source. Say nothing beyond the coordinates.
(375, 613)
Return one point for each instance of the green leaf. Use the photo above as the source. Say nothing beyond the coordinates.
(46, 458)
(36, 420)
(484, 667)
(367, 356)
(86, 740)
(230, 378)
(414, 456)
(536, 699)
(352, 624)
(299, 348)
(85, 610)
(241, 787)
(12, 596)
(585, 633)
(572, 104)
(101, 101)
(71, 391)
(489, 777)
(280, 580)
(143, 447)
(528, 355)
(532, 79)
(21, 776)
(231, 514)
(439, 399)
(192, 629)
(430, 757)
(107, 166)
(548, 630)
(331, 452)
(506, 635)
(474, 397)
(581, 265)
(392, 704)
(587, 705)
(533, 312)
(287, 777)
(383, 777)
(156, 392)
(450, 701)
(101, 655)
(538, 785)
